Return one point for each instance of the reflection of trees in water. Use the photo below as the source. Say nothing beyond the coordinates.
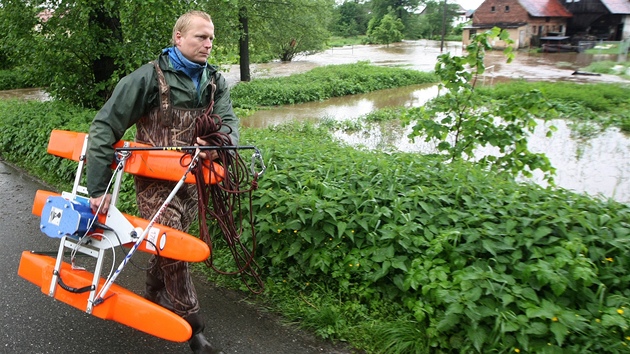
(597, 165)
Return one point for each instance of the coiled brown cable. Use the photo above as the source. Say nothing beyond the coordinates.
(221, 202)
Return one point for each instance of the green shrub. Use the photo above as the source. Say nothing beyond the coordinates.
(17, 78)
(324, 82)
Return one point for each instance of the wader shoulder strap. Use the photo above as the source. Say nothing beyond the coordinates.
(213, 89)
(166, 108)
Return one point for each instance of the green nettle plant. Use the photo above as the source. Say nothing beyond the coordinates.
(429, 257)
(461, 121)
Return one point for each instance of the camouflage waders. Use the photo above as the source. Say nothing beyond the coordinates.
(169, 280)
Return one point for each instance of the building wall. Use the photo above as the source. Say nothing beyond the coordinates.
(547, 26)
(492, 12)
(510, 15)
(518, 35)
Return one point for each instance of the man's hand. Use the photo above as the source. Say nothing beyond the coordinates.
(208, 154)
(97, 201)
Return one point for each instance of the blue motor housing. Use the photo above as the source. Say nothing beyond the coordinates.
(62, 217)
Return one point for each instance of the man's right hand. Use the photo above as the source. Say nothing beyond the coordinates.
(105, 199)
(209, 155)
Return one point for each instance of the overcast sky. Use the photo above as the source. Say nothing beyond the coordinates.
(469, 4)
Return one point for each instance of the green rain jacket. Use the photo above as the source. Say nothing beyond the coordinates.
(134, 97)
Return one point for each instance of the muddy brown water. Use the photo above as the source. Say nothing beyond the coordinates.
(598, 166)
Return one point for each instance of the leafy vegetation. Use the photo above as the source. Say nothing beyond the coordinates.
(324, 82)
(461, 121)
(603, 104)
(386, 30)
(470, 262)
(404, 253)
(610, 67)
(22, 78)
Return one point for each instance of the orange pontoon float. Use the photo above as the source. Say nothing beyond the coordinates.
(69, 217)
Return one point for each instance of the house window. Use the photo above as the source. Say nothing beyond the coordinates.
(507, 8)
(472, 33)
(492, 9)
(534, 29)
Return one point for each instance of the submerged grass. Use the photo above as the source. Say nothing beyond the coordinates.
(610, 67)
(603, 104)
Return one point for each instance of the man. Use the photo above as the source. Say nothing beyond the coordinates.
(165, 99)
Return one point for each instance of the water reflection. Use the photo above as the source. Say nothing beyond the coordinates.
(343, 108)
(598, 166)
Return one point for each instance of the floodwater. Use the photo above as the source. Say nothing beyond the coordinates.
(598, 166)
(25, 94)
(422, 55)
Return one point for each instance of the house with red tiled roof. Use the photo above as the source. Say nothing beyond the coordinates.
(525, 20)
(603, 19)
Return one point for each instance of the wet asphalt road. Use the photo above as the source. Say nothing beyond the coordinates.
(32, 322)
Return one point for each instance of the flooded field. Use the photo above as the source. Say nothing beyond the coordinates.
(422, 55)
(598, 166)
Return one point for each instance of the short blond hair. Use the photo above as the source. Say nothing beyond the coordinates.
(183, 22)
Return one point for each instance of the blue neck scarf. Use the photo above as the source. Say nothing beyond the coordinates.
(180, 63)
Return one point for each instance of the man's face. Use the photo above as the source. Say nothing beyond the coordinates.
(196, 43)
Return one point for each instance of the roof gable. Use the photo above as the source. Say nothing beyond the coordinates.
(617, 6)
(547, 8)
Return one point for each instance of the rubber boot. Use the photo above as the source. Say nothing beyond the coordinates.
(198, 342)
(156, 293)
(152, 287)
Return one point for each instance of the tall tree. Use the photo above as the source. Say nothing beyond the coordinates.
(389, 30)
(434, 19)
(402, 9)
(243, 42)
(18, 21)
(86, 46)
(350, 19)
(291, 27)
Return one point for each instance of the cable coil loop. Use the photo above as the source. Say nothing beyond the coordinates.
(220, 203)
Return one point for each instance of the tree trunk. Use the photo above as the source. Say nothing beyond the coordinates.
(104, 66)
(243, 44)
